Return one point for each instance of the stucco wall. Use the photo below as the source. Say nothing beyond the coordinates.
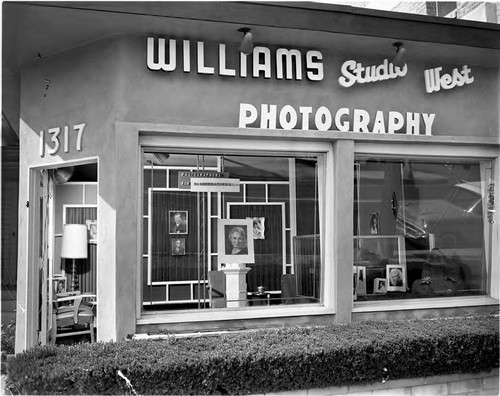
(194, 99)
(80, 86)
(109, 81)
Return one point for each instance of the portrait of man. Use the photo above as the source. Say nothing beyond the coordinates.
(178, 222)
(178, 247)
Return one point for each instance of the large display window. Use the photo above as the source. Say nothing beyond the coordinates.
(421, 228)
(262, 239)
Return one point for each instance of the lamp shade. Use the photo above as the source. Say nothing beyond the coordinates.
(62, 175)
(74, 241)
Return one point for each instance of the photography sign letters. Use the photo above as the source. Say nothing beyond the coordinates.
(294, 64)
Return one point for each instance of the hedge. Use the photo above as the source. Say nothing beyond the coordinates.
(263, 361)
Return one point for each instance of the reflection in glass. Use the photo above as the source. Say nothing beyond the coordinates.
(438, 208)
(280, 192)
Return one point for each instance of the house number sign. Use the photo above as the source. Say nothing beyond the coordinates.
(61, 137)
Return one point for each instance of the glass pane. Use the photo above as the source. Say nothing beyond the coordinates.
(437, 208)
(256, 193)
(287, 260)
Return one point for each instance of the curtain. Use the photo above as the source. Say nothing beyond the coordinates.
(167, 266)
(268, 266)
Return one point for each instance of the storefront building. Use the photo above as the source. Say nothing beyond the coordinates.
(310, 181)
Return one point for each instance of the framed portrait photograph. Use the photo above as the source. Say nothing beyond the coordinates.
(178, 221)
(235, 241)
(92, 230)
(379, 286)
(359, 277)
(374, 223)
(178, 246)
(59, 285)
(396, 277)
(259, 227)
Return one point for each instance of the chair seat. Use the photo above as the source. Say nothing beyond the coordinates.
(72, 317)
(65, 315)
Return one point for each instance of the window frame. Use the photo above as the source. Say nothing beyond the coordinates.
(211, 145)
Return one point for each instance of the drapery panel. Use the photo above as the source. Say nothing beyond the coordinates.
(268, 266)
(165, 265)
(307, 253)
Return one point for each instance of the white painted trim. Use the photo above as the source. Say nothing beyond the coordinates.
(292, 192)
(80, 183)
(211, 145)
(189, 316)
(425, 150)
(300, 136)
(422, 303)
(150, 233)
(265, 182)
(214, 145)
(59, 163)
(183, 282)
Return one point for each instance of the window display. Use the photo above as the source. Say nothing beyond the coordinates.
(435, 210)
(254, 246)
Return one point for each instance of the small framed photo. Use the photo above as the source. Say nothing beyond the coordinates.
(178, 246)
(396, 277)
(235, 244)
(59, 285)
(259, 227)
(374, 223)
(92, 230)
(379, 286)
(359, 277)
(178, 221)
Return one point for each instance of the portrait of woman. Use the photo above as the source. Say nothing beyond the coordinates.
(374, 223)
(258, 227)
(379, 286)
(59, 285)
(396, 278)
(236, 241)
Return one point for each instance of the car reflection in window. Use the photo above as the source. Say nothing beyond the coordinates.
(455, 221)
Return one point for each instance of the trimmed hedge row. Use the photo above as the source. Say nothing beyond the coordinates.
(265, 360)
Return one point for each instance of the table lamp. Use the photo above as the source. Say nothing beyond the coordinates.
(74, 246)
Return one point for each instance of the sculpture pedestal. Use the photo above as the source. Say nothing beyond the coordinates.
(236, 284)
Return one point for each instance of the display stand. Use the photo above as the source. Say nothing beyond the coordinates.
(236, 284)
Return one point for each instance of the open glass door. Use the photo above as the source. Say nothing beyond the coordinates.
(44, 221)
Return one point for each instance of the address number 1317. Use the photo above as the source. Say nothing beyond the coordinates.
(61, 136)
